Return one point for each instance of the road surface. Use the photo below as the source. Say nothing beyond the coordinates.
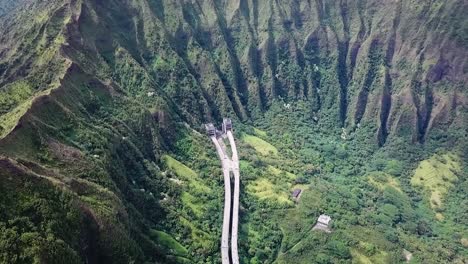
(235, 205)
(226, 164)
(229, 165)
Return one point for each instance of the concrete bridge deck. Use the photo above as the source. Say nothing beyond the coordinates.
(229, 165)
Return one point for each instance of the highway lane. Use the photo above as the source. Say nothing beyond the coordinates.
(229, 165)
(235, 210)
(226, 164)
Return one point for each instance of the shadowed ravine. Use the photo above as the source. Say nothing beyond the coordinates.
(356, 110)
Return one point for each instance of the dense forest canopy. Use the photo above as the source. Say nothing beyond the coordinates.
(362, 105)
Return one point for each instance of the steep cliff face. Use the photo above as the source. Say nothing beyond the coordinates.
(92, 93)
(389, 63)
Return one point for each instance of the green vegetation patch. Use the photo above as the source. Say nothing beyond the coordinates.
(199, 237)
(260, 132)
(13, 105)
(436, 176)
(185, 173)
(297, 222)
(244, 165)
(192, 202)
(14, 94)
(277, 172)
(382, 180)
(360, 257)
(9, 120)
(260, 145)
(264, 189)
(168, 242)
(370, 247)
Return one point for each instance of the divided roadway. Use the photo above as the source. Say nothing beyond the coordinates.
(229, 165)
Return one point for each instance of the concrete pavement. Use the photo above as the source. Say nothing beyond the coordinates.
(227, 202)
(235, 209)
(229, 165)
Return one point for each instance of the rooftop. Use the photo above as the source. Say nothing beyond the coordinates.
(324, 219)
(227, 124)
(209, 126)
(296, 193)
(210, 129)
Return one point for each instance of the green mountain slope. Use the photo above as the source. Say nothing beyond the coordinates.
(7, 6)
(101, 107)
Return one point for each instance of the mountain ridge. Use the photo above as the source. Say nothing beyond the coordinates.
(93, 94)
(241, 101)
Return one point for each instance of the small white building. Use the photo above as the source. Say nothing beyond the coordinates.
(323, 223)
(324, 219)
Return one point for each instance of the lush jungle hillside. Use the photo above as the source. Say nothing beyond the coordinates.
(361, 104)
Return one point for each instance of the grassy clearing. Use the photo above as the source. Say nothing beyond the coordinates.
(359, 258)
(274, 170)
(10, 119)
(15, 101)
(168, 242)
(436, 176)
(277, 172)
(185, 173)
(179, 168)
(291, 175)
(100, 206)
(13, 94)
(260, 133)
(200, 238)
(382, 180)
(260, 145)
(265, 190)
(369, 248)
(192, 202)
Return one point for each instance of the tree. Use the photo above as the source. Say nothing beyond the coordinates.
(323, 258)
(394, 167)
(390, 211)
(339, 248)
(423, 228)
(391, 236)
